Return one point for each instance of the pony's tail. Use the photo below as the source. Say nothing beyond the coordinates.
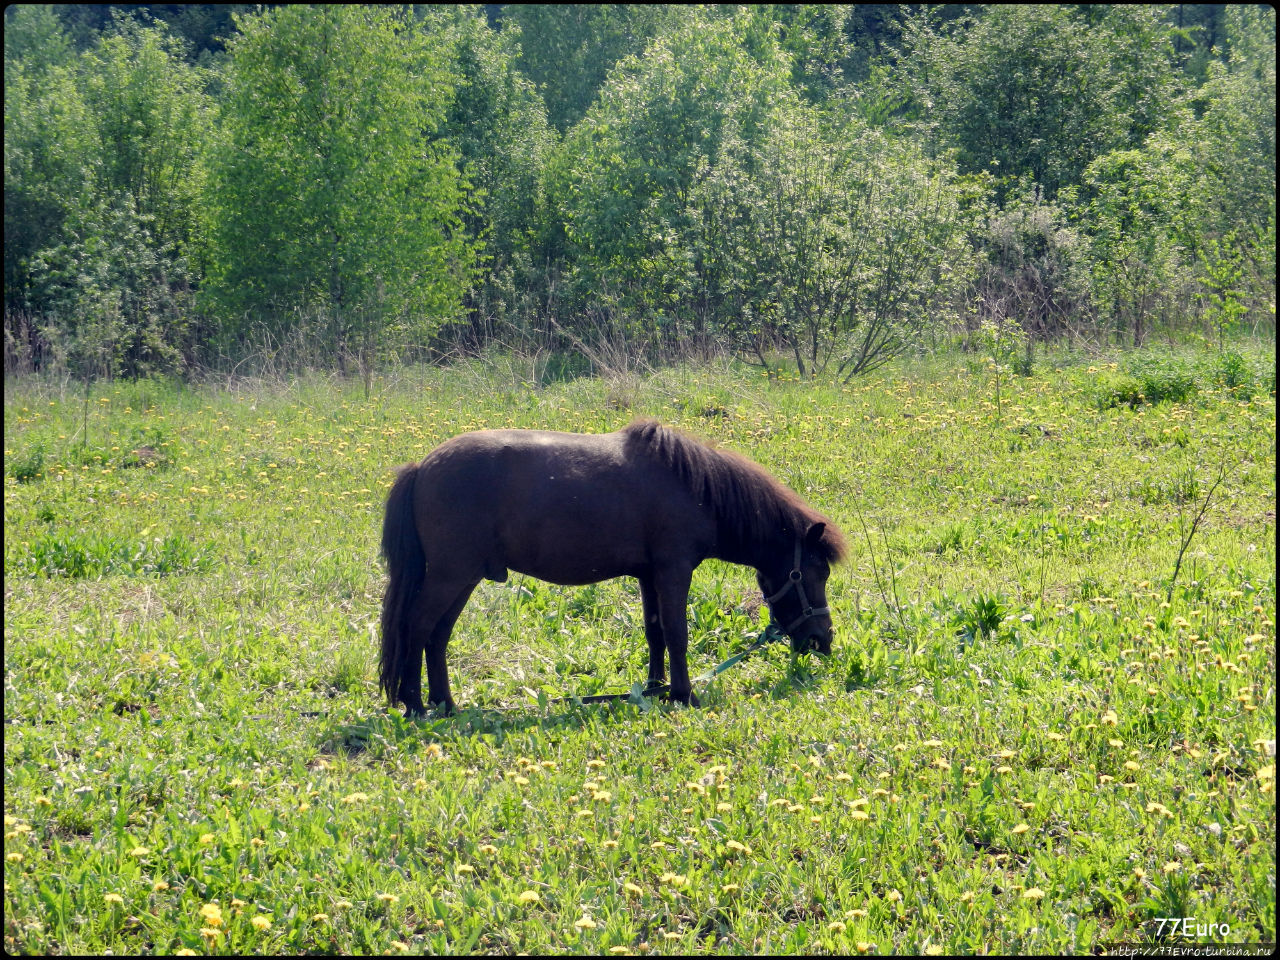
(407, 566)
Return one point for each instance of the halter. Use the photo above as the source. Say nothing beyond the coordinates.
(794, 579)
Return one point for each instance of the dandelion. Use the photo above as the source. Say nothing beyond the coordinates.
(1033, 893)
(15, 858)
(465, 868)
(1173, 866)
(400, 945)
(1021, 828)
(633, 888)
(212, 913)
(185, 952)
(1110, 719)
(159, 886)
(621, 950)
(1132, 765)
(261, 923)
(585, 923)
(529, 896)
(860, 815)
(210, 933)
(487, 848)
(836, 926)
(739, 847)
(206, 838)
(113, 898)
(319, 918)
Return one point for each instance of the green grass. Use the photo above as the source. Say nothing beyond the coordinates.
(1017, 746)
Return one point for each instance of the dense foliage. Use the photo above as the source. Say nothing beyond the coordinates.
(819, 187)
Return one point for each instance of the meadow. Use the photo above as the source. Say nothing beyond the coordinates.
(1029, 738)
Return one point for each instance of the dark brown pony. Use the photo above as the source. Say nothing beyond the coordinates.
(644, 502)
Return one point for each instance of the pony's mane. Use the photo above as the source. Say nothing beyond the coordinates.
(741, 493)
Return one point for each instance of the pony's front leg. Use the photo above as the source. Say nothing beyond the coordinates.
(671, 586)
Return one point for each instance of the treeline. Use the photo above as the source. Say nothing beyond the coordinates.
(817, 187)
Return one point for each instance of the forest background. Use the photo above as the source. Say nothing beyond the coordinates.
(812, 188)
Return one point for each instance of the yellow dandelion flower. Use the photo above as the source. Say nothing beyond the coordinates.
(319, 917)
(1055, 736)
(739, 847)
(487, 848)
(261, 923)
(159, 886)
(113, 898)
(400, 946)
(942, 763)
(1021, 828)
(1173, 866)
(836, 926)
(1132, 765)
(633, 888)
(389, 898)
(139, 852)
(211, 910)
(210, 933)
(723, 807)
(860, 815)
(620, 950)
(529, 896)
(1004, 769)
(206, 838)
(1110, 719)
(863, 946)
(465, 868)
(585, 923)
(1033, 893)
(16, 858)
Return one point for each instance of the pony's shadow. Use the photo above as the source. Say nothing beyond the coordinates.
(391, 727)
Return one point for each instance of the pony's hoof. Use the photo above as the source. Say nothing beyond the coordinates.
(689, 700)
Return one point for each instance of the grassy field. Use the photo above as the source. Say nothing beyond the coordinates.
(1022, 742)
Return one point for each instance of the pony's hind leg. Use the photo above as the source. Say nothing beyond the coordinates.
(653, 633)
(438, 692)
(435, 611)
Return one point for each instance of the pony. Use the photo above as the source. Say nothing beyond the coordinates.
(645, 501)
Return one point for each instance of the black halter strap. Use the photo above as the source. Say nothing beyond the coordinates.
(795, 579)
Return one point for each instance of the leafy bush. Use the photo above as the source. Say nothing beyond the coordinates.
(28, 466)
(88, 555)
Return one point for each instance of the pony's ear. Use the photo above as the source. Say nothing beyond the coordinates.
(813, 536)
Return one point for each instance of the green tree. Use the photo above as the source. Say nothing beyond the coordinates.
(331, 191)
(568, 49)
(498, 123)
(103, 173)
(623, 178)
(1039, 91)
(835, 242)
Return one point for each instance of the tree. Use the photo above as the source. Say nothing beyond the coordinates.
(103, 167)
(567, 50)
(331, 192)
(1033, 90)
(498, 123)
(623, 177)
(835, 241)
